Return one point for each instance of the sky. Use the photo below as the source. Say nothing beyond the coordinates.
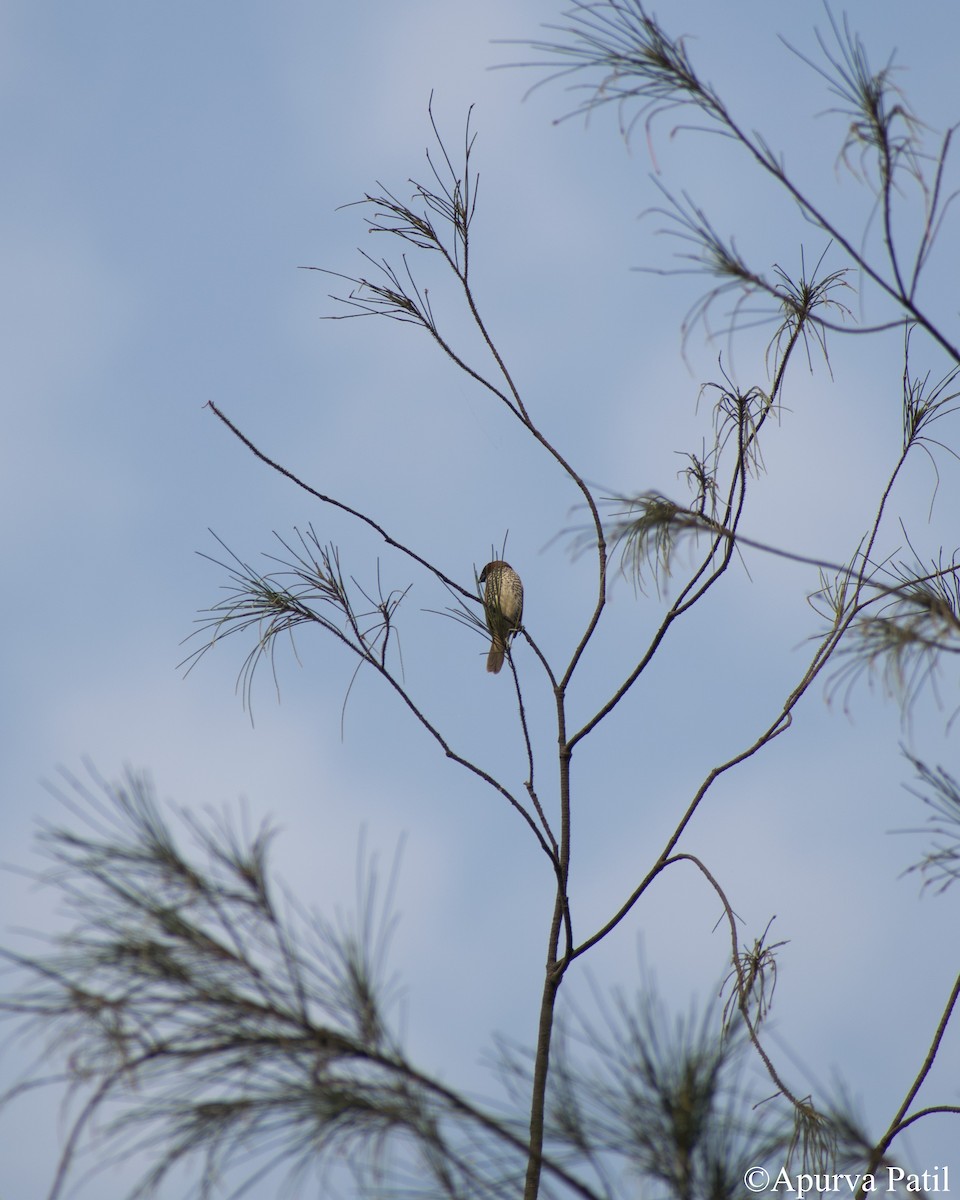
(170, 168)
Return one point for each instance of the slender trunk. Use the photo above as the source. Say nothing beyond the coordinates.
(555, 968)
(541, 1066)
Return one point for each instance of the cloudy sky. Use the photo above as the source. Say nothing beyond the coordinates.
(168, 168)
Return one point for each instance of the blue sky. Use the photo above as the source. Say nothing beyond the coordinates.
(169, 168)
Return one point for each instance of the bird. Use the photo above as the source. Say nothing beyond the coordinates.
(503, 605)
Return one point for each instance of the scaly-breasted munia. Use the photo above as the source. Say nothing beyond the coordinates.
(503, 605)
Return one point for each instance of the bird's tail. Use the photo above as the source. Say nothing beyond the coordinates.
(495, 657)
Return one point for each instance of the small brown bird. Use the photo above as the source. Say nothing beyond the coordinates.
(503, 605)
